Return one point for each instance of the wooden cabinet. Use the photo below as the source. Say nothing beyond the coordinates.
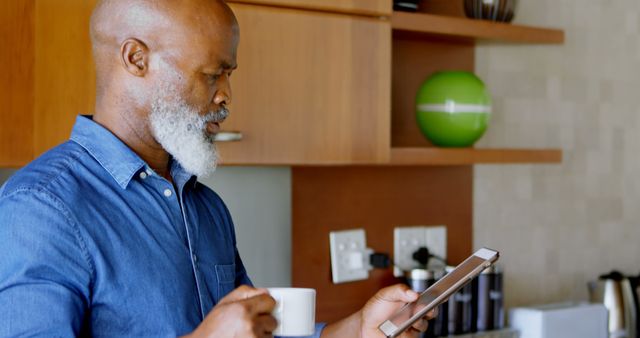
(314, 87)
(16, 84)
(311, 88)
(47, 74)
(64, 69)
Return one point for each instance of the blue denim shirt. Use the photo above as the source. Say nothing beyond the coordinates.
(94, 243)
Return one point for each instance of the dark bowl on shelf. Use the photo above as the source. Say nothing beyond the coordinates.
(494, 10)
(406, 5)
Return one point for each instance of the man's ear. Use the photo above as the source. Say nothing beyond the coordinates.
(135, 57)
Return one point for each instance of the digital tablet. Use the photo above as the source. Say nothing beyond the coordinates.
(439, 292)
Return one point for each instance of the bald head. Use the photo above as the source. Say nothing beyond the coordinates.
(181, 53)
(165, 27)
(156, 21)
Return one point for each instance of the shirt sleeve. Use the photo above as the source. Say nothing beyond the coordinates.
(44, 268)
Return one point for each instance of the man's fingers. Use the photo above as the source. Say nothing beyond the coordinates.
(433, 313)
(266, 324)
(241, 293)
(421, 324)
(410, 333)
(397, 293)
(245, 312)
(260, 304)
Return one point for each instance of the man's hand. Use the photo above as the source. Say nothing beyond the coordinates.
(384, 304)
(244, 313)
(364, 323)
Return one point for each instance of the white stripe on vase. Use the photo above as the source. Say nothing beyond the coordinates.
(452, 107)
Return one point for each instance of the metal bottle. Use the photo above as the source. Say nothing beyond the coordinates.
(461, 310)
(490, 300)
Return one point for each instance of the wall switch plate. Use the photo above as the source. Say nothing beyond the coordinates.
(349, 256)
(407, 240)
(437, 240)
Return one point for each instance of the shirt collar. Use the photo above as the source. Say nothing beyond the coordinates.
(180, 176)
(112, 154)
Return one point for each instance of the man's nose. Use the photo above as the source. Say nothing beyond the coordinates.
(223, 94)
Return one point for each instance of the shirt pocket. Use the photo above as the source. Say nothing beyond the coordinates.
(226, 280)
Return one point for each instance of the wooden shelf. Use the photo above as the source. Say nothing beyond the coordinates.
(469, 156)
(473, 29)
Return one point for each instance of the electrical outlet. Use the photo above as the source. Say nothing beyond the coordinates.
(407, 240)
(349, 256)
(437, 240)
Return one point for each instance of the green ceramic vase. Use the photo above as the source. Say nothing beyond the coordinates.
(453, 108)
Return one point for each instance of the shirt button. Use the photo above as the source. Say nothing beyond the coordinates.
(143, 175)
(195, 258)
(168, 193)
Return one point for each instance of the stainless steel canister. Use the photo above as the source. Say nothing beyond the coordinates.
(461, 310)
(490, 300)
(419, 279)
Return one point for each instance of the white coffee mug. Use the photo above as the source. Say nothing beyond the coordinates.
(295, 311)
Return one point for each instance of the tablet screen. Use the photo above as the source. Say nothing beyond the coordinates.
(440, 291)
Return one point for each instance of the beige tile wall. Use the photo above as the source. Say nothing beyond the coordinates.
(561, 225)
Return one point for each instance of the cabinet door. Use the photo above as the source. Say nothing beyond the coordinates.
(16, 82)
(311, 88)
(46, 74)
(64, 68)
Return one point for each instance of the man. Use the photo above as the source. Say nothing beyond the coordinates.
(110, 234)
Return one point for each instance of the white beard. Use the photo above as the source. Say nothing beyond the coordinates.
(181, 131)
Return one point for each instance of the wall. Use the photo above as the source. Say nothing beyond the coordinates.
(259, 200)
(561, 225)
